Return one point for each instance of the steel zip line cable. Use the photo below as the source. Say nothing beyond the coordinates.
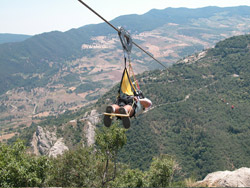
(118, 31)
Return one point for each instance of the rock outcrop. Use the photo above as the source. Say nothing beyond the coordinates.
(237, 178)
(45, 142)
(58, 148)
(91, 119)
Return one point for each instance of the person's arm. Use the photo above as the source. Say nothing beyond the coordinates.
(145, 102)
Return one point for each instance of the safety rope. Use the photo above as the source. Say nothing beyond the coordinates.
(133, 75)
(135, 89)
(118, 31)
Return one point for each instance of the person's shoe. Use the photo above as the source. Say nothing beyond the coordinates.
(125, 120)
(108, 119)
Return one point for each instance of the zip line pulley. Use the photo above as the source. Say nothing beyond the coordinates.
(127, 43)
(125, 37)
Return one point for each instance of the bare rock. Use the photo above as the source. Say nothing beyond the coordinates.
(34, 145)
(58, 148)
(42, 141)
(45, 142)
(237, 178)
(193, 58)
(91, 119)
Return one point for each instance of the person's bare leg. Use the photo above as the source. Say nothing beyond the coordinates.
(129, 110)
(114, 108)
(125, 110)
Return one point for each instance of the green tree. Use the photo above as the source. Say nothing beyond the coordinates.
(129, 178)
(75, 168)
(161, 171)
(18, 169)
(109, 141)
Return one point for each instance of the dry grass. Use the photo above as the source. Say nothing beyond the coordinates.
(6, 136)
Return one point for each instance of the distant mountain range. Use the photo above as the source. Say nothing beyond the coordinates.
(82, 64)
(6, 37)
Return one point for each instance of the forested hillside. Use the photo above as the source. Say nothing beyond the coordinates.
(80, 65)
(201, 105)
(200, 112)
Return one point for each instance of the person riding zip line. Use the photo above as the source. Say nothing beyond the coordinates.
(129, 102)
(130, 99)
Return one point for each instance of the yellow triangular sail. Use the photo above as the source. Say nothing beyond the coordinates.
(126, 85)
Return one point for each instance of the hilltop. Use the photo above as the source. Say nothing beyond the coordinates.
(7, 37)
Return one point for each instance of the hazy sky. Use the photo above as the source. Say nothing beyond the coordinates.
(38, 16)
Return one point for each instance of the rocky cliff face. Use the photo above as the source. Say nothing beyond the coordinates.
(58, 148)
(45, 142)
(237, 178)
(91, 119)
